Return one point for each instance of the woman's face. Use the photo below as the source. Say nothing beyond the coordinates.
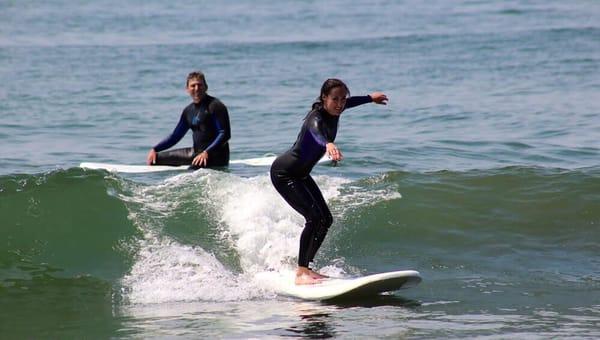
(335, 101)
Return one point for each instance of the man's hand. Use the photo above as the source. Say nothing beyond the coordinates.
(201, 160)
(151, 158)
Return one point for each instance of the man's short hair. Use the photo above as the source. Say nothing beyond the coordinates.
(196, 75)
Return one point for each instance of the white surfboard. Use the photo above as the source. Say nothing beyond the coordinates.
(344, 288)
(131, 168)
(127, 168)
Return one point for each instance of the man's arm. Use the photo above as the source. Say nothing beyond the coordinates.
(175, 136)
(220, 117)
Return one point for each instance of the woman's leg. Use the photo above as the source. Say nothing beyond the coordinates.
(324, 218)
(305, 197)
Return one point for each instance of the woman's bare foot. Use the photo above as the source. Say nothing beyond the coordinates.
(317, 276)
(305, 276)
(306, 280)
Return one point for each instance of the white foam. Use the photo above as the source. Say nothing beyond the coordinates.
(355, 196)
(262, 227)
(251, 216)
(166, 271)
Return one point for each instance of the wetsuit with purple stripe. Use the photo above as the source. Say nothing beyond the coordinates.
(290, 174)
(209, 122)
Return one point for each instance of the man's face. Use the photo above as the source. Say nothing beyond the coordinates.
(196, 89)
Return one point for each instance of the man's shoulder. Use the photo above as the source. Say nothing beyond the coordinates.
(213, 100)
(215, 103)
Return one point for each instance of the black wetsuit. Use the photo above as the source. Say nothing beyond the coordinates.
(209, 121)
(290, 174)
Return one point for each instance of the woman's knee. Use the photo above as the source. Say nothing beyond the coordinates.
(319, 215)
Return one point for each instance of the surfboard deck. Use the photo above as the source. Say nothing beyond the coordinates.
(128, 168)
(347, 288)
(125, 168)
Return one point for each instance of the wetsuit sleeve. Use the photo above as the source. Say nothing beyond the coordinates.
(178, 133)
(220, 118)
(317, 131)
(357, 100)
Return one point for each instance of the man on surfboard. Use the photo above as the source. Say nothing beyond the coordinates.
(290, 172)
(208, 119)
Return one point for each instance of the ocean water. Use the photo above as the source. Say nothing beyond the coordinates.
(481, 172)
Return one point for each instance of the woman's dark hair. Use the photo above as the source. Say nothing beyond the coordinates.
(329, 85)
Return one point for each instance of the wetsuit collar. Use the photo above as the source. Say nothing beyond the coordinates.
(327, 115)
(204, 99)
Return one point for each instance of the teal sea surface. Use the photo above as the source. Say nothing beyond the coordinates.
(481, 172)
